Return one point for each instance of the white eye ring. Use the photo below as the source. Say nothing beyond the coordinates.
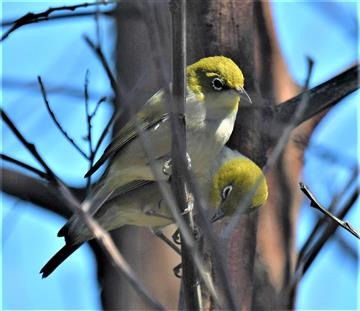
(226, 191)
(217, 84)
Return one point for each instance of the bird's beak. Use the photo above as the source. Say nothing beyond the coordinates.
(243, 94)
(218, 215)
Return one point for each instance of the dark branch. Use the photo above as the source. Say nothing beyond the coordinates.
(70, 91)
(106, 13)
(23, 165)
(99, 53)
(57, 123)
(36, 191)
(190, 280)
(320, 98)
(31, 147)
(91, 155)
(329, 231)
(105, 131)
(322, 221)
(31, 18)
(98, 104)
(314, 203)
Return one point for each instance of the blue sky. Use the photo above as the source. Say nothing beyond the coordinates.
(325, 31)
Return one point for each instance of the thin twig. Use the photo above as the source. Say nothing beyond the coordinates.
(31, 147)
(322, 220)
(57, 123)
(24, 165)
(330, 229)
(294, 121)
(106, 13)
(87, 112)
(70, 90)
(106, 129)
(31, 18)
(98, 51)
(91, 155)
(314, 203)
(98, 104)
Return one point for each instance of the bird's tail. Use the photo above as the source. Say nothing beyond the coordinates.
(62, 254)
(58, 258)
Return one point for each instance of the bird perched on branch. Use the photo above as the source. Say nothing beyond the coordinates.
(233, 180)
(127, 193)
(214, 87)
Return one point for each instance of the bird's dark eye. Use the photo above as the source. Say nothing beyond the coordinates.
(226, 191)
(217, 84)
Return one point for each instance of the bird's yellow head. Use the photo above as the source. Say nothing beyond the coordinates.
(237, 180)
(215, 76)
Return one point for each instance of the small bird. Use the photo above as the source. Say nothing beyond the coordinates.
(232, 179)
(237, 180)
(214, 87)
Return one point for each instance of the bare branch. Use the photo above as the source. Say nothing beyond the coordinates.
(31, 147)
(322, 220)
(190, 280)
(36, 191)
(57, 123)
(329, 231)
(69, 90)
(98, 104)
(298, 114)
(31, 18)
(320, 98)
(107, 13)
(91, 155)
(23, 165)
(99, 53)
(314, 203)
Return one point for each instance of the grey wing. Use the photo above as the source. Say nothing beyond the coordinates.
(103, 194)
